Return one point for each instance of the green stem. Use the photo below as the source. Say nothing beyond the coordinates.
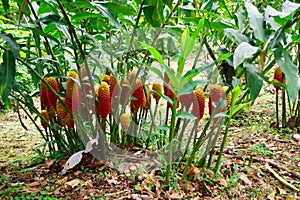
(218, 163)
(277, 109)
(152, 125)
(171, 137)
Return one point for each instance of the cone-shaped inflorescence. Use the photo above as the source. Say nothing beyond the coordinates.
(103, 94)
(85, 81)
(69, 121)
(158, 88)
(45, 114)
(186, 100)
(73, 92)
(216, 93)
(61, 111)
(125, 90)
(198, 104)
(278, 77)
(51, 97)
(43, 96)
(137, 96)
(125, 121)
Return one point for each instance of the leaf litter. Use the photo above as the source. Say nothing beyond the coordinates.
(252, 144)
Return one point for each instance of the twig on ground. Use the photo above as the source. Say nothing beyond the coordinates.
(279, 178)
(270, 162)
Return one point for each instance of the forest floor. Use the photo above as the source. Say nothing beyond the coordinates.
(255, 151)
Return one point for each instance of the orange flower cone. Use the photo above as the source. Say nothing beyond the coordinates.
(138, 96)
(43, 96)
(69, 121)
(187, 99)
(125, 90)
(158, 88)
(170, 94)
(198, 104)
(125, 121)
(73, 92)
(278, 77)
(215, 95)
(50, 96)
(103, 94)
(61, 112)
(45, 114)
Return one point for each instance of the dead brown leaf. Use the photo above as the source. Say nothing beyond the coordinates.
(34, 184)
(222, 181)
(73, 183)
(245, 179)
(272, 195)
(89, 184)
(194, 172)
(62, 181)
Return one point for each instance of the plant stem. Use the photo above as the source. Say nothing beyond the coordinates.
(171, 137)
(277, 109)
(227, 122)
(152, 125)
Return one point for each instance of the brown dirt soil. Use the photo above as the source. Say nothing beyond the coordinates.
(253, 147)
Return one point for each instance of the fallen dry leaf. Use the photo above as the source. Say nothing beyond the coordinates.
(245, 179)
(222, 181)
(89, 184)
(272, 195)
(112, 182)
(73, 183)
(34, 184)
(176, 195)
(62, 181)
(194, 172)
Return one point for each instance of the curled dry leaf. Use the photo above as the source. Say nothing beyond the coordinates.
(194, 172)
(62, 181)
(245, 179)
(222, 182)
(72, 184)
(89, 184)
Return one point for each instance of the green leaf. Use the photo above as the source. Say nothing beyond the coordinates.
(84, 15)
(255, 82)
(106, 14)
(225, 56)
(241, 18)
(196, 71)
(12, 43)
(173, 79)
(185, 115)
(39, 32)
(290, 71)
(157, 72)
(116, 7)
(235, 94)
(5, 5)
(189, 87)
(256, 21)
(7, 74)
(239, 107)
(235, 35)
(50, 19)
(154, 53)
(154, 12)
(168, 3)
(242, 52)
